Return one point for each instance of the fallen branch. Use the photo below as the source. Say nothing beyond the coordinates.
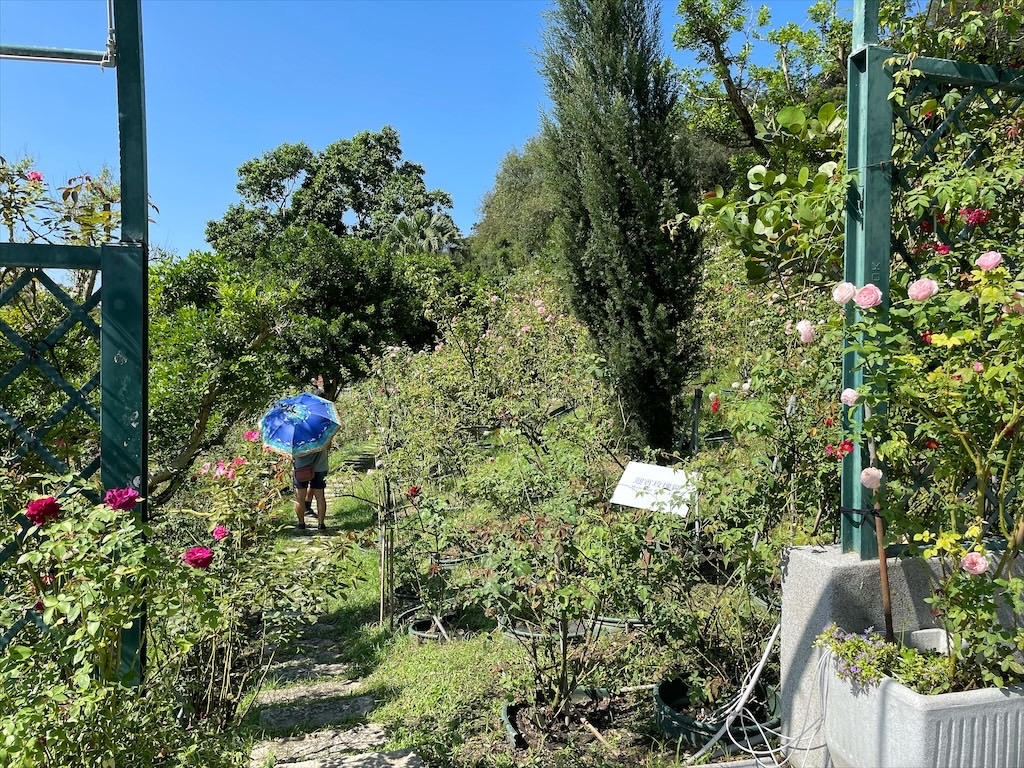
(586, 724)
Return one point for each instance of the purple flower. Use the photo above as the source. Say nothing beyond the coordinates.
(124, 499)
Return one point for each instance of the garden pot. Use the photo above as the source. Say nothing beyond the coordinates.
(891, 726)
(520, 630)
(613, 625)
(670, 705)
(425, 630)
(511, 709)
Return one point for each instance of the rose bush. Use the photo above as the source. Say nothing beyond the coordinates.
(946, 362)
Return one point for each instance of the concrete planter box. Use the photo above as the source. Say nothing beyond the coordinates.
(891, 726)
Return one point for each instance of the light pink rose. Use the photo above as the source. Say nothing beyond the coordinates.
(979, 367)
(871, 477)
(923, 289)
(989, 260)
(788, 329)
(806, 330)
(975, 563)
(844, 292)
(868, 296)
(542, 310)
(849, 397)
(1017, 308)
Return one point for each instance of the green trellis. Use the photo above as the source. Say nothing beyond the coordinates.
(871, 235)
(121, 298)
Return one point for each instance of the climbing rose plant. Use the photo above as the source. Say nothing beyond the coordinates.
(946, 362)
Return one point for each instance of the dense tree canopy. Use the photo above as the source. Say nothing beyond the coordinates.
(355, 187)
(618, 177)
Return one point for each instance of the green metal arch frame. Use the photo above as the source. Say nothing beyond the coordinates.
(124, 342)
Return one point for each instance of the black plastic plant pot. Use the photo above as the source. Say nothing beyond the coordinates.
(425, 630)
(612, 625)
(670, 705)
(521, 630)
(511, 709)
(721, 437)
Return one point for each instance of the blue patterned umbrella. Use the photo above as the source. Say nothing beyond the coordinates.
(299, 425)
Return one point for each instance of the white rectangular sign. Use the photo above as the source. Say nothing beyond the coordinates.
(648, 486)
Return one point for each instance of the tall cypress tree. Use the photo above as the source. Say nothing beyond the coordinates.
(618, 169)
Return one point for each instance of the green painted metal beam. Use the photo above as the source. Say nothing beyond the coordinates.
(124, 339)
(963, 74)
(65, 55)
(867, 242)
(45, 256)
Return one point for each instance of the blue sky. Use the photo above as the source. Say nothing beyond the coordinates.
(227, 80)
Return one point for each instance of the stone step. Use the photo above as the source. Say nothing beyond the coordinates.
(307, 668)
(319, 745)
(315, 714)
(404, 758)
(313, 692)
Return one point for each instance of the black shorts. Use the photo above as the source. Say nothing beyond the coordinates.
(319, 481)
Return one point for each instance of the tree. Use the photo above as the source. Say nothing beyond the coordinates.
(517, 213)
(618, 176)
(356, 187)
(424, 232)
(344, 300)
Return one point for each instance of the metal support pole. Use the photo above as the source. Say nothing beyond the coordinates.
(124, 339)
(868, 228)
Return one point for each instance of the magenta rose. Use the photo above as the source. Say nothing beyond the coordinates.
(251, 436)
(42, 511)
(923, 289)
(34, 176)
(122, 498)
(197, 557)
(220, 532)
(844, 292)
(989, 260)
(849, 397)
(975, 563)
(871, 477)
(806, 330)
(868, 296)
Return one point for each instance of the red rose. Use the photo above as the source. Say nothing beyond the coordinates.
(197, 557)
(42, 511)
(715, 405)
(926, 337)
(125, 499)
(414, 491)
(931, 443)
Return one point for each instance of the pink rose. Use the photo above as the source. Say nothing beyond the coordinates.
(871, 477)
(204, 469)
(923, 289)
(975, 563)
(849, 397)
(868, 296)
(42, 511)
(843, 293)
(125, 499)
(34, 176)
(251, 436)
(197, 557)
(979, 367)
(542, 310)
(240, 461)
(1018, 307)
(989, 260)
(806, 331)
(220, 532)
(788, 328)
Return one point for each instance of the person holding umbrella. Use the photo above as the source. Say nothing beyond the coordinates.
(302, 427)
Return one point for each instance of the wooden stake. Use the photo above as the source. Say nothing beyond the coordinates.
(883, 572)
(586, 724)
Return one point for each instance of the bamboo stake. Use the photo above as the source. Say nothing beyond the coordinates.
(586, 724)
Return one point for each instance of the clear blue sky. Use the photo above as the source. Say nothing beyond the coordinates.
(227, 80)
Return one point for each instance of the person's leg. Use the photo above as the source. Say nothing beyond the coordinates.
(321, 506)
(318, 485)
(300, 504)
(309, 499)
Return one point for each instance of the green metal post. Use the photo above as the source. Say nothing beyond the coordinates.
(124, 342)
(868, 227)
